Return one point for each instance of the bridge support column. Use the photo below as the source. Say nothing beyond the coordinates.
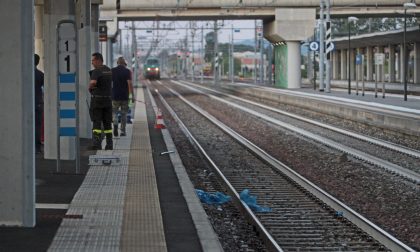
(369, 63)
(55, 11)
(417, 62)
(287, 65)
(17, 180)
(294, 79)
(343, 64)
(391, 64)
(289, 28)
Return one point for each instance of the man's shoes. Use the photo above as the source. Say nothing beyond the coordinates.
(116, 131)
(108, 147)
(122, 134)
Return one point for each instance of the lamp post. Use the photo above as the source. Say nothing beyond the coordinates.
(409, 5)
(350, 19)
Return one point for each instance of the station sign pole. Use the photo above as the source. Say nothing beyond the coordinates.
(328, 48)
(322, 47)
(67, 87)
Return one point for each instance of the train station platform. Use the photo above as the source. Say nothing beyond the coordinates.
(141, 201)
(392, 97)
(339, 91)
(391, 112)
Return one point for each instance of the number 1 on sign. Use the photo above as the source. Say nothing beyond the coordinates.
(67, 59)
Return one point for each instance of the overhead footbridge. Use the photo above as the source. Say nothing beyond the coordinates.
(231, 9)
(285, 22)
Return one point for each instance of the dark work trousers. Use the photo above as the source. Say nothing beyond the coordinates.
(101, 113)
(38, 126)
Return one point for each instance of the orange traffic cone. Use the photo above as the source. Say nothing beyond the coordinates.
(160, 124)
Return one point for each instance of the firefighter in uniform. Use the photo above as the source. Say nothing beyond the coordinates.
(100, 87)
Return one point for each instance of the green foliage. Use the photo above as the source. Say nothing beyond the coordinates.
(243, 48)
(237, 66)
(224, 47)
(209, 47)
(340, 27)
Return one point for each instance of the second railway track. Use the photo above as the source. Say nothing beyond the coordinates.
(394, 158)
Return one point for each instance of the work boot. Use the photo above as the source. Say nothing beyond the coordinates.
(115, 130)
(109, 144)
(97, 141)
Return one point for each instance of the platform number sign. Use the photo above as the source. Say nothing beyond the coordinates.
(67, 88)
(66, 48)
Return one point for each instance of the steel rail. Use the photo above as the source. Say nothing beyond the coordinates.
(372, 140)
(386, 165)
(376, 232)
(269, 240)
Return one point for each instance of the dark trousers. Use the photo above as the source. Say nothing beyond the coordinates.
(101, 112)
(38, 126)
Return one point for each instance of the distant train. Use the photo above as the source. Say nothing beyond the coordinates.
(152, 68)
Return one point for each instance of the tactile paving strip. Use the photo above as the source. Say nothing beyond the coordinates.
(143, 226)
(99, 201)
(118, 206)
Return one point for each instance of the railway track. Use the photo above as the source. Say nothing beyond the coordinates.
(304, 217)
(379, 142)
(391, 157)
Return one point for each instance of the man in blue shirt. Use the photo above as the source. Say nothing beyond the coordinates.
(39, 104)
(121, 89)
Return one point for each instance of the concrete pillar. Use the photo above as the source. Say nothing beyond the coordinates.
(353, 63)
(55, 11)
(83, 20)
(401, 67)
(398, 62)
(94, 28)
(103, 49)
(381, 75)
(293, 64)
(94, 33)
(39, 36)
(17, 180)
(290, 25)
(343, 64)
(310, 71)
(369, 63)
(417, 62)
(335, 66)
(109, 53)
(391, 63)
